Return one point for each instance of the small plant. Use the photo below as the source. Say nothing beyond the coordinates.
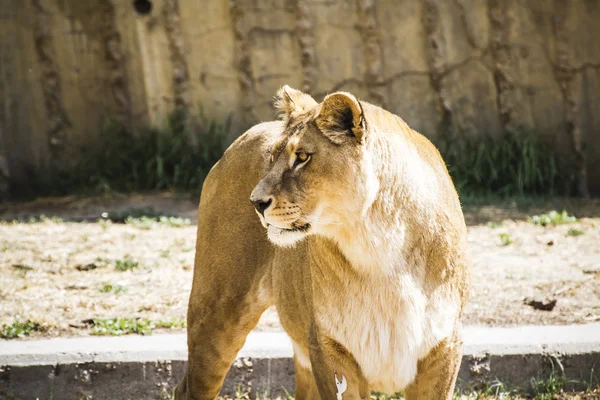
(110, 288)
(141, 222)
(104, 224)
(145, 222)
(495, 224)
(175, 323)
(545, 389)
(174, 222)
(126, 264)
(590, 386)
(241, 394)
(515, 164)
(121, 326)
(574, 232)
(120, 216)
(552, 218)
(505, 239)
(35, 219)
(19, 328)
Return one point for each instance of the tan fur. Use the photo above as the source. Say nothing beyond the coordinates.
(367, 262)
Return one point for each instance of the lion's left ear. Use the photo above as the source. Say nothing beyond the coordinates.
(341, 116)
(290, 103)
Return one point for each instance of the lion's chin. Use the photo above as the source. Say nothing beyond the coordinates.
(287, 237)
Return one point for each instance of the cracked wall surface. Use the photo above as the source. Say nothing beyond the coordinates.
(472, 66)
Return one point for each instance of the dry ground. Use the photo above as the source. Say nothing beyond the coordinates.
(39, 279)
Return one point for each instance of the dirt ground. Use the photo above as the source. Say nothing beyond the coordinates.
(514, 263)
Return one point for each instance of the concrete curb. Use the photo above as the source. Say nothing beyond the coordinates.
(148, 367)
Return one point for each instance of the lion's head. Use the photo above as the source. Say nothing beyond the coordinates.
(320, 176)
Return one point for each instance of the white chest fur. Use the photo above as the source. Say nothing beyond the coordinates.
(387, 327)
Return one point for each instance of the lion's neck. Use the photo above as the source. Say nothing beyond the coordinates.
(377, 243)
(388, 237)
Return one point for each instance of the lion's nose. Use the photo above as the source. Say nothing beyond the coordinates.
(261, 204)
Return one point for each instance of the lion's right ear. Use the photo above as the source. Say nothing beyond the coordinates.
(290, 103)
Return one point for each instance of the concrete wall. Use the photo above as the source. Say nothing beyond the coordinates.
(478, 66)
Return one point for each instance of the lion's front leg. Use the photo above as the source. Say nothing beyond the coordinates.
(336, 372)
(437, 372)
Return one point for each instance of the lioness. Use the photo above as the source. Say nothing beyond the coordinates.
(361, 245)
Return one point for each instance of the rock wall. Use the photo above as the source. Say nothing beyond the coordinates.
(474, 66)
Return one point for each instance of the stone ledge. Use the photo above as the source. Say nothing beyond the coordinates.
(148, 367)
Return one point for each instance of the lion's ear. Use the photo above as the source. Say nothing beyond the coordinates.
(290, 103)
(341, 116)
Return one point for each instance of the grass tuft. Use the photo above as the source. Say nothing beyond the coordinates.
(175, 323)
(574, 232)
(128, 326)
(121, 326)
(20, 328)
(112, 288)
(126, 264)
(552, 218)
(145, 222)
(124, 159)
(513, 165)
(545, 389)
(505, 239)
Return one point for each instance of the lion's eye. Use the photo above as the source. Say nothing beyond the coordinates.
(301, 158)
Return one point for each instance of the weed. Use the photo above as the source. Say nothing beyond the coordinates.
(174, 222)
(104, 224)
(574, 232)
(545, 389)
(126, 264)
(552, 218)
(141, 223)
(589, 383)
(515, 164)
(166, 253)
(145, 222)
(178, 157)
(121, 326)
(505, 240)
(175, 323)
(241, 395)
(110, 288)
(19, 328)
(36, 219)
(120, 216)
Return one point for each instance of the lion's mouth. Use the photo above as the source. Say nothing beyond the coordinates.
(299, 228)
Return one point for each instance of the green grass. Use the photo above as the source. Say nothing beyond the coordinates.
(574, 232)
(35, 219)
(126, 264)
(19, 328)
(112, 288)
(552, 218)
(175, 323)
(545, 389)
(129, 326)
(150, 222)
(512, 165)
(505, 239)
(120, 216)
(143, 218)
(177, 156)
(495, 224)
(121, 326)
